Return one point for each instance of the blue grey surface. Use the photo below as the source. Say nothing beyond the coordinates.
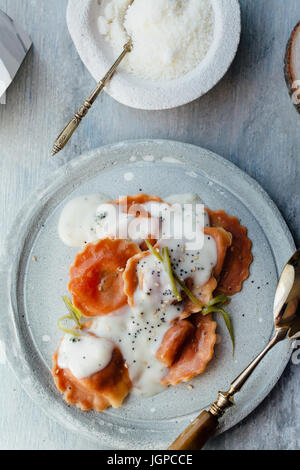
(247, 118)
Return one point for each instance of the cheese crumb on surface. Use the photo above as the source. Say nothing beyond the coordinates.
(170, 37)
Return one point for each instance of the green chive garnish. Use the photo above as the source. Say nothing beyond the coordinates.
(228, 324)
(187, 291)
(221, 299)
(168, 268)
(215, 306)
(181, 283)
(154, 251)
(75, 313)
(66, 330)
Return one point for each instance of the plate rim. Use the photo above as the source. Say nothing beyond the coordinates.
(8, 329)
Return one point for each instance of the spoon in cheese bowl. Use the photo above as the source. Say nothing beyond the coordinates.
(69, 130)
(286, 312)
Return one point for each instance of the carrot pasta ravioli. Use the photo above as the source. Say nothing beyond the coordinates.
(145, 287)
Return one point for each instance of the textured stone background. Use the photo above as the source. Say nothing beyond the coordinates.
(248, 118)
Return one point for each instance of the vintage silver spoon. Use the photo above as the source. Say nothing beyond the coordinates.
(69, 130)
(287, 325)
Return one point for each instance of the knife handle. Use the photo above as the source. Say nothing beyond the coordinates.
(197, 433)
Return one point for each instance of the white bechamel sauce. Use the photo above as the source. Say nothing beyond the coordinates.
(139, 330)
(112, 222)
(88, 219)
(194, 264)
(84, 355)
(77, 222)
(185, 225)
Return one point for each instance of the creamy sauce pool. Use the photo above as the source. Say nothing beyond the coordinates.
(84, 355)
(79, 219)
(138, 331)
(87, 219)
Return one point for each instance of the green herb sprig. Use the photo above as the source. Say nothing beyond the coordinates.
(216, 306)
(168, 268)
(74, 314)
(185, 289)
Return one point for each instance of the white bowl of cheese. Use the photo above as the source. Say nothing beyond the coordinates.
(181, 48)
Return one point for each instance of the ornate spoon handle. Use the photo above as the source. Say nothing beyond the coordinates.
(69, 130)
(203, 427)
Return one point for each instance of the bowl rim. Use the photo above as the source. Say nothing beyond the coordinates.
(144, 94)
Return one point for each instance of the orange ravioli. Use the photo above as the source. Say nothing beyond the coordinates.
(173, 341)
(131, 280)
(108, 387)
(134, 205)
(96, 277)
(106, 276)
(130, 277)
(204, 294)
(195, 353)
(223, 240)
(137, 199)
(238, 258)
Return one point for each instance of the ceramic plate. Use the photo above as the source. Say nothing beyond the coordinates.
(35, 275)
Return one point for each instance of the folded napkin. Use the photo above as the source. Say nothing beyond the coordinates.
(14, 45)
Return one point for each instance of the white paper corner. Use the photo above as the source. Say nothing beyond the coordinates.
(3, 99)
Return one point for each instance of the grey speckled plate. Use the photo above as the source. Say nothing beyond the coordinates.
(31, 289)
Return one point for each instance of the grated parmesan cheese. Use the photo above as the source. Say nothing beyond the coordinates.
(170, 37)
